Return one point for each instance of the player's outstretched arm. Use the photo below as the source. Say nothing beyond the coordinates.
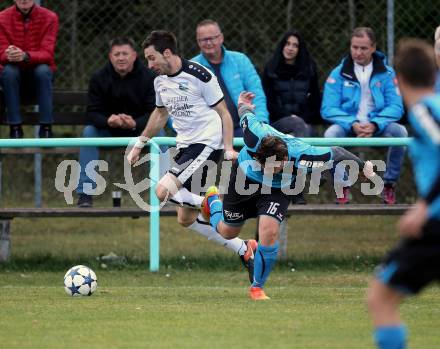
(228, 126)
(253, 130)
(245, 103)
(156, 122)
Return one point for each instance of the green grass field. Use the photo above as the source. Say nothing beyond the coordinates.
(199, 297)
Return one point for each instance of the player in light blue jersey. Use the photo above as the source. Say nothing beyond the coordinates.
(415, 262)
(264, 174)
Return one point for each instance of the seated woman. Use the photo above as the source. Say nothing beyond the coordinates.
(290, 82)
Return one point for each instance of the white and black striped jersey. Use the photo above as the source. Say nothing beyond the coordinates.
(189, 96)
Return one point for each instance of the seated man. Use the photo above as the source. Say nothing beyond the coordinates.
(266, 169)
(121, 99)
(27, 43)
(361, 99)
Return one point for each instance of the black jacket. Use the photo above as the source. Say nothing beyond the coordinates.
(133, 94)
(292, 89)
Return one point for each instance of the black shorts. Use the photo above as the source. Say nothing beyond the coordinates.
(237, 208)
(414, 263)
(192, 164)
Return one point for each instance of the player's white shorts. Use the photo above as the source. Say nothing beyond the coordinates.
(191, 165)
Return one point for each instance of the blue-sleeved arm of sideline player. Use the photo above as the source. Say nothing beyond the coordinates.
(253, 130)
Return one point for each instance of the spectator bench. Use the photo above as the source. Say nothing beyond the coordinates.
(76, 101)
(8, 214)
(72, 99)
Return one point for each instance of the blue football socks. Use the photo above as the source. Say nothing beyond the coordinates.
(390, 337)
(216, 209)
(264, 260)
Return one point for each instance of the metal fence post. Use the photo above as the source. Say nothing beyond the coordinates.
(38, 176)
(390, 31)
(154, 207)
(5, 240)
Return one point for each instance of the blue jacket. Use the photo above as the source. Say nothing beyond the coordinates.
(239, 75)
(342, 94)
(424, 118)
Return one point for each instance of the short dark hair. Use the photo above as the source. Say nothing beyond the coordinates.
(360, 32)
(415, 62)
(208, 22)
(161, 40)
(271, 146)
(121, 40)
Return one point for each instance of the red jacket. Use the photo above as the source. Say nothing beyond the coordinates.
(37, 36)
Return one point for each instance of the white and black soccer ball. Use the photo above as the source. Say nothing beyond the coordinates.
(80, 281)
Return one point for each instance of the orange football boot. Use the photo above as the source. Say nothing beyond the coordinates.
(257, 294)
(205, 209)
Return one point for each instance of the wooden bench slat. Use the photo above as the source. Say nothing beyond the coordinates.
(65, 97)
(60, 98)
(60, 118)
(350, 209)
(9, 213)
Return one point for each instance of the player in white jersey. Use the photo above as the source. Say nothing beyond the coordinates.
(191, 95)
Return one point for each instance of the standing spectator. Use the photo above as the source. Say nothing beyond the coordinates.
(290, 82)
(27, 43)
(121, 99)
(414, 263)
(234, 71)
(361, 99)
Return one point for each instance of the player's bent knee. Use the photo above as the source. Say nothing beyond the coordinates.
(162, 193)
(228, 232)
(228, 235)
(186, 217)
(185, 221)
(377, 297)
(268, 234)
(372, 299)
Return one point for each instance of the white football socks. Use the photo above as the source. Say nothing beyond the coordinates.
(203, 228)
(185, 198)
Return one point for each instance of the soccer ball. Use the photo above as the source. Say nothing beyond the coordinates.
(80, 281)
